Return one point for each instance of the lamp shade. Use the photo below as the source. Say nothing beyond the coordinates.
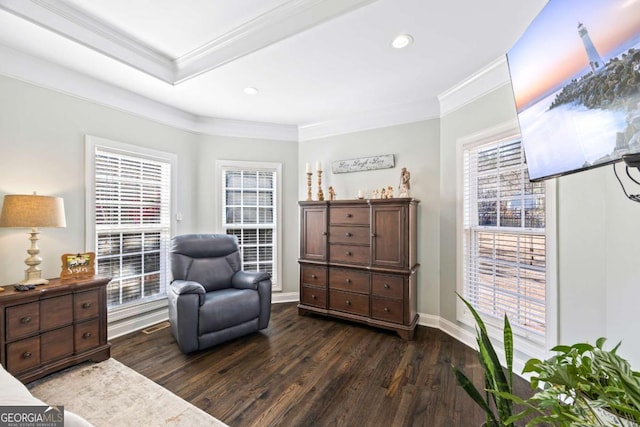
(32, 211)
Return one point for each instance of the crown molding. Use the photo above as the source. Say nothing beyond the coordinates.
(246, 129)
(21, 66)
(486, 80)
(64, 19)
(279, 23)
(286, 20)
(371, 119)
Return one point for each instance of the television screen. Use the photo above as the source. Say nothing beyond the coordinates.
(576, 81)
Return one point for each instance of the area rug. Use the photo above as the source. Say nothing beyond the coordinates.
(111, 394)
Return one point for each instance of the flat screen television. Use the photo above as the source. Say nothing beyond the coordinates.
(575, 74)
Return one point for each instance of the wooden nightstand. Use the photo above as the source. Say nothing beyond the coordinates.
(53, 326)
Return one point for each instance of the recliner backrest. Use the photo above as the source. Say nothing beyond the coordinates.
(209, 259)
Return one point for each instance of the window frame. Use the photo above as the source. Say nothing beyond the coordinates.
(223, 165)
(132, 309)
(530, 347)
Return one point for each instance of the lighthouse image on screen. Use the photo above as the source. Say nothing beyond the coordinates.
(575, 74)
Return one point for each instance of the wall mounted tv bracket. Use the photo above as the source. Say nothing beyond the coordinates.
(631, 161)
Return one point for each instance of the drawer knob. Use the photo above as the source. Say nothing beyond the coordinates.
(373, 234)
(348, 302)
(349, 215)
(386, 286)
(348, 280)
(324, 233)
(348, 234)
(86, 335)
(348, 253)
(86, 305)
(313, 276)
(314, 297)
(25, 320)
(27, 354)
(386, 309)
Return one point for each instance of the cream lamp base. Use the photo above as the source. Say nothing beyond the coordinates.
(33, 274)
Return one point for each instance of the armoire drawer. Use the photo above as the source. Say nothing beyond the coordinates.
(349, 254)
(349, 302)
(386, 309)
(349, 280)
(349, 215)
(314, 296)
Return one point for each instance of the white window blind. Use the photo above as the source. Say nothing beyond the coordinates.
(504, 242)
(132, 224)
(249, 211)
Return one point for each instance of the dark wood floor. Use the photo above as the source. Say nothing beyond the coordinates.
(308, 370)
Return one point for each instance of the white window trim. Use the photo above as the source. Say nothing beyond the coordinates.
(91, 142)
(530, 348)
(221, 165)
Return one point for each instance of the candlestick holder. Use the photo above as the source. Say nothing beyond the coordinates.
(320, 193)
(309, 186)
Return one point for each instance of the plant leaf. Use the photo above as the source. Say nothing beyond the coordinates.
(473, 392)
(508, 349)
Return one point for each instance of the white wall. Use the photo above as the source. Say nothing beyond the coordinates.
(42, 149)
(598, 245)
(416, 147)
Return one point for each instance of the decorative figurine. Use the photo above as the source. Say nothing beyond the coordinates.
(383, 193)
(332, 193)
(405, 177)
(389, 192)
(404, 191)
(375, 194)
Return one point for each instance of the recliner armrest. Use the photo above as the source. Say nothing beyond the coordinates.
(182, 287)
(249, 279)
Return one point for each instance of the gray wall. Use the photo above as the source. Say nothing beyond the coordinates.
(416, 147)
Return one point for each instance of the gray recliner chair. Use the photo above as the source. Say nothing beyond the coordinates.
(211, 300)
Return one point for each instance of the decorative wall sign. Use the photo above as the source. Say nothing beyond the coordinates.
(385, 161)
(78, 265)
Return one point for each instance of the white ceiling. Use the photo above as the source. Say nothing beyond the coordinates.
(313, 61)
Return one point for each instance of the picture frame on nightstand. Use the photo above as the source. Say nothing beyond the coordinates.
(78, 265)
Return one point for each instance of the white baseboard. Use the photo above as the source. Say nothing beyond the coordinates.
(280, 297)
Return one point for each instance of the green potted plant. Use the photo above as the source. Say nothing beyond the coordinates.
(582, 385)
(495, 399)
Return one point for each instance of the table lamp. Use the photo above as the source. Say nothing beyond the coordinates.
(33, 211)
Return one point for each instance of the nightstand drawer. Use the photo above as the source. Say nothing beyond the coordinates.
(349, 302)
(22, 320)
(56, 312)
(23, 354)
(86, 335)
(349, 280)
(349, 254)
(56, 344)
(386, 309)
(314, 296)
(85, 305)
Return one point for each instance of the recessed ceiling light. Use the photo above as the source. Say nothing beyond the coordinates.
(402, 40)
(250, 90)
